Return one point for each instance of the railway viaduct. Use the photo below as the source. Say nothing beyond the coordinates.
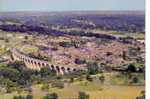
(36, 64)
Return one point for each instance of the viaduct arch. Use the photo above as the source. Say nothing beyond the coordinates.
(36, 64)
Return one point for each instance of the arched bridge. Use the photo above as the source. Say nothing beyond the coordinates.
(36, 64)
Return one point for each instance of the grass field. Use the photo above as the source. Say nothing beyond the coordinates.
(95, 89)
(103, 92)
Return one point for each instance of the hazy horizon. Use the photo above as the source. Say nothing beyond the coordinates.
(71, 5)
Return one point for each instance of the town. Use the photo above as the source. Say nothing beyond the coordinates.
(72, 55)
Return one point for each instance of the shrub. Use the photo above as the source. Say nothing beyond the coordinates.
(83, 95)
(79, 61)
(45, 87)
(102, 78)
(65, 44)
(19, 97)
(131, 68)
(51, 96)
(89, 78)
(142, 96)
(47, 72)
(71, 80)
(58, 84)
(26, 38)
(109, 53)
(29, 97)
(124, 56)
(135, 80)
(8, 84)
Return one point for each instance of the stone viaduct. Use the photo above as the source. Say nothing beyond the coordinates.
(36, 64)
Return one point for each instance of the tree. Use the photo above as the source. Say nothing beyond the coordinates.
(89, 78)
(79, 61)
(131, 68)
(8, 72)
(29, 96)
(65, 44)
(8, 84)
(109, 53)
(19, 97)
(124, 55)
(47, 72)
(83, 95)
(51, 96)
(71, 79)
(45, 87)
(15, 97)
(26, 37)
(135, 80)
(92, 68)
(58, 84)
(142, 96)
(102, 78)
(7, 40)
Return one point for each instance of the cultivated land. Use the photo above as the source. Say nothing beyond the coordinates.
(110, 48)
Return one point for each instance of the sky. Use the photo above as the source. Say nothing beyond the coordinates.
(69, 5)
